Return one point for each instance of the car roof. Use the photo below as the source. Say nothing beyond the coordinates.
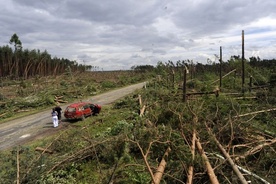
(78, 104)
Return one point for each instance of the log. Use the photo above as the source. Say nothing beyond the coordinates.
(142, 110)
(258, 87)
(243, 98)
(22, 110)
(244, 170)
(210, 171)
(18, 166)
(191, 167)
(140, 100)
(58, 97)
(43, 150)
(3, 114)
(228, 158)
(161, 168)
(203, 93)
(224, 76)
(256, 112)
(61, 101)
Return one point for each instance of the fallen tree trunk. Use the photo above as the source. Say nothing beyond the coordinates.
(258, 87)
(58, 99)
(228, 158)
(191, 167)
(256, 112)
(140, 100)
(210, 171)
(3, 114)
(161, 168)
(142, 110)
(203, 93)
(244, 170)
(224, 76)
(243, 98)
(142, 107)
(43, 150)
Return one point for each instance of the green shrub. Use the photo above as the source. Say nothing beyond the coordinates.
(91, 88)
(108, 84)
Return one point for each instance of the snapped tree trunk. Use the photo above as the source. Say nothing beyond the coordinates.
(210, 171)
(191, 167)
(161, 168)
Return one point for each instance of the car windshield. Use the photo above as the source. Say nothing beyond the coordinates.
(71, 109)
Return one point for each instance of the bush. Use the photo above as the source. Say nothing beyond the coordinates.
(108, 84)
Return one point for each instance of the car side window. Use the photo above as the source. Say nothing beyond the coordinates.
(86, 106)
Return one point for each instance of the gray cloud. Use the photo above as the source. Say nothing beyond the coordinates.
(119, 34)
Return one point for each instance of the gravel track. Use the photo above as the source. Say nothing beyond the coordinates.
(36, 126)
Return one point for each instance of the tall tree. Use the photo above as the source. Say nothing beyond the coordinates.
(16, 42)
(17, 46)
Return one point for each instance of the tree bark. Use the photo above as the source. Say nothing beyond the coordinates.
(142, 110)
(224, 76)
(191, 167)
(228, 158)
(43, 150)
(161, 168)
(210, 171)
(253, 113)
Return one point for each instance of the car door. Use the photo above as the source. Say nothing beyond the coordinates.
(86, 110)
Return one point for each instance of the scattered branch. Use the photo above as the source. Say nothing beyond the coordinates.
(144, 155)
(258, 148)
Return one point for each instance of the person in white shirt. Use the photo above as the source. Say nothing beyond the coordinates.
(55, 118)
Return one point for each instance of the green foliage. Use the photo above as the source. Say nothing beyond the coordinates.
(121, 127)
(108, 84)
(272, 80)
(90, 88)
(60, 176)
(64, 83)
(135, 177)
(127, 102)
(143, 68)
(108, 147)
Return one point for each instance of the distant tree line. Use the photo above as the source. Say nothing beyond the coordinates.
(232, 63)
(142, 68)
(18, 63)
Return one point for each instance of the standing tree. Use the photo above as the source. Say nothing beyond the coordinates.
(16, 42)
(17, 47)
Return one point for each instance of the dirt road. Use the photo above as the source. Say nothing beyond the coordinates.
(28, 128)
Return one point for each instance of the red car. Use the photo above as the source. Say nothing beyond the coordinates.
(81, 110)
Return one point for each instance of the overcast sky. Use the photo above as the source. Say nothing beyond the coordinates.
(118, 34)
